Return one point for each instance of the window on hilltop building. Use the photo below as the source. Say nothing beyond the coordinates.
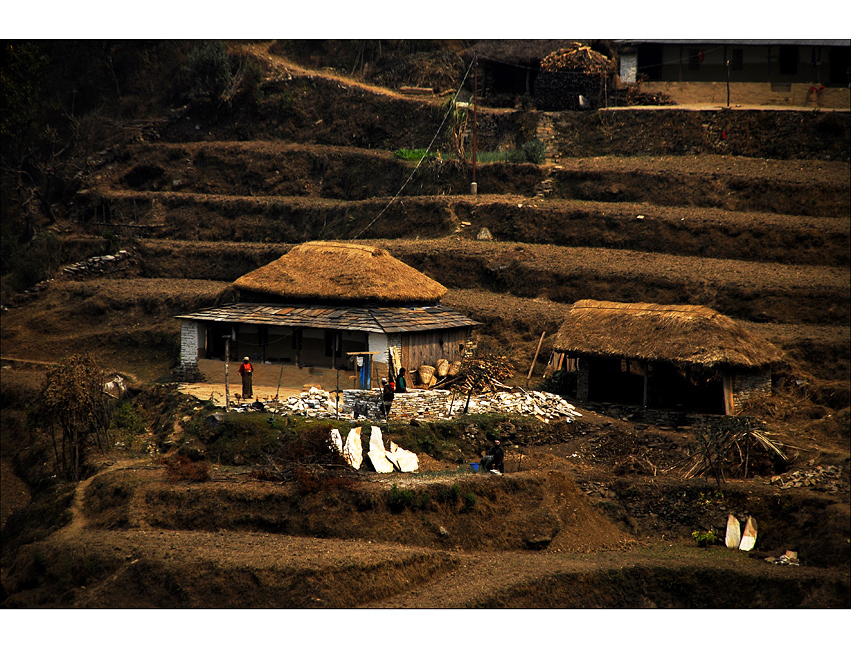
(695, 58)
(788, 59)
(737, 60)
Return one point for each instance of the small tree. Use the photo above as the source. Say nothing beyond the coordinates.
(209, 70)
(73, 401)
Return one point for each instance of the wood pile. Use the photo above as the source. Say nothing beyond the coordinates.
(482, 374)
(576, 58)
(568, 74)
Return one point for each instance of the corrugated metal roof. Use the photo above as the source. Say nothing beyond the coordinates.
(374, 319)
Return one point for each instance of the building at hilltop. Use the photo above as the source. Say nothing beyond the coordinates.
(327, 306)
(680, 357)
(781, 72)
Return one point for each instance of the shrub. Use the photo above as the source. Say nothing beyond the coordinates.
(449, 494)
(209, 70)
(398, 499)
(184, 469)
(469, 502)
(704, 538)
(535, 150)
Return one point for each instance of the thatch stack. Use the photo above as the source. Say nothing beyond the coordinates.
(681, 334)
(340, 272)
(569, 73)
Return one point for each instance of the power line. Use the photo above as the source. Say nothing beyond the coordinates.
(416, 168)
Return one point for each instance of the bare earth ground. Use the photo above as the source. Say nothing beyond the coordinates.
(134, 538)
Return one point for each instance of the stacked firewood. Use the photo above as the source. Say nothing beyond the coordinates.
(568, 74)
(482, 374)
(576, 58)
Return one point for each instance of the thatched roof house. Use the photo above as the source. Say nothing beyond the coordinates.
(323, 304)
(339, 272)
(671, 354)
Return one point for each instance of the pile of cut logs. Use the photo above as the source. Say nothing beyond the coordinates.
(568, 74)
(482, 374)
(576, 58)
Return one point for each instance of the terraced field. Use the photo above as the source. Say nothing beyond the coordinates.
(629, 205)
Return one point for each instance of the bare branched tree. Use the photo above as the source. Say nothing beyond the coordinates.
(73, 404)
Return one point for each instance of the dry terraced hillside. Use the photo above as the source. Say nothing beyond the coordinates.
(630, 205)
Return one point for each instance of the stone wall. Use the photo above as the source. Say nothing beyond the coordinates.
(748, 385)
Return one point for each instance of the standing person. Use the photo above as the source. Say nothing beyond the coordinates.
(245, 370)
(386, 397)
(494, 459)
(402, 382)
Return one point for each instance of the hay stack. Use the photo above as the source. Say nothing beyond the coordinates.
(686, 335)
(340, 272)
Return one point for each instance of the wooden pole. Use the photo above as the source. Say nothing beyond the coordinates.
(475, 187)
(227, 360)
(538, 350)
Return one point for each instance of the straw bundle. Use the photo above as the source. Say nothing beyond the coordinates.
(681, 334)
(344, 272)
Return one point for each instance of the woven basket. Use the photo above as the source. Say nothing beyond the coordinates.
(442, 368)
(454, 368)
(426, 373)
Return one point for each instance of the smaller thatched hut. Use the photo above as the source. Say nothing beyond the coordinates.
(683, 357)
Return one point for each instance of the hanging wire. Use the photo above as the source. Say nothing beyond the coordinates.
(416, 168)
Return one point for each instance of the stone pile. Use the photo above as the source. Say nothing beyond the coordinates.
(819, 478)
(96, 265)
(315, 403)
(788, 558)
(418, 404)
(544, 406)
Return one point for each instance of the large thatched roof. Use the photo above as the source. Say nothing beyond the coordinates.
(694, 335)
(341, 272)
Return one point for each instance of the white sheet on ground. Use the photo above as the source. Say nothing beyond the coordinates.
(404, 460)
(337, 440)
(377, 454)
(734, 532)
(749, 535)
(353, 452)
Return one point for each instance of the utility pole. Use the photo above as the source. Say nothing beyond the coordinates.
(227, 360)
(474, 188)
(728, 82)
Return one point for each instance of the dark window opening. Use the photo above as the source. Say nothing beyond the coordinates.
(650, 61)
(695, 58)
(737, 60)
(788, 59)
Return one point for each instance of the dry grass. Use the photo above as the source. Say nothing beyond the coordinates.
(343, 272)
(679, 333)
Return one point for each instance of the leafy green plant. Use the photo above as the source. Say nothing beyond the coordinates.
(449, 494)
(469, 502)
(535, 150)
(413, 155)
(704, 538)
(398, 499)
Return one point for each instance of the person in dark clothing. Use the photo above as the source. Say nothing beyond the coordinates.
(246, 370)
(402, 382)
(494, 459)
(386, 397)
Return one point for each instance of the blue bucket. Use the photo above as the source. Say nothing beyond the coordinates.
(474, 467)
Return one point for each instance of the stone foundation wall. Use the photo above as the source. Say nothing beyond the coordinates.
(749, 385)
